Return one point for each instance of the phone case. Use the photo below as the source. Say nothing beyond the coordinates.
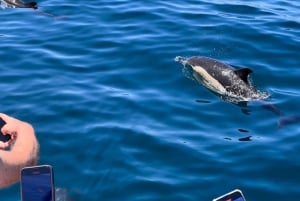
(31, 186)
(234, 195)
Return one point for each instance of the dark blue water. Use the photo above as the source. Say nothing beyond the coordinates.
(118, 119)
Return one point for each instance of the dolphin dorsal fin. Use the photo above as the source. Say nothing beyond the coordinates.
(243, 73)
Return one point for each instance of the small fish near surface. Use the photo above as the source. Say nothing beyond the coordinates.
(18, 4)
(231, 84)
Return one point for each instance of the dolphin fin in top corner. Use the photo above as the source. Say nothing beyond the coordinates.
(243, 73)
(18, 4)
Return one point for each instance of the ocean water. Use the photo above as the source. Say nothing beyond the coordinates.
(117, 117)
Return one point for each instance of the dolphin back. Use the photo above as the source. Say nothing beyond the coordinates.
(208, 63)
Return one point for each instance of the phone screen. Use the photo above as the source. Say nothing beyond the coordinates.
(37, 184)
(236, 199)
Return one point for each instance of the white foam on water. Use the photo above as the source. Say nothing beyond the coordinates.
(252, 96)
(3, 4)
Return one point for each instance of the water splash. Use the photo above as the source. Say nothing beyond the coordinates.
(252, 96)
(181, 60)
(3, 4)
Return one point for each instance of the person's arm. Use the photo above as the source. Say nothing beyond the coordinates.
(23, 149)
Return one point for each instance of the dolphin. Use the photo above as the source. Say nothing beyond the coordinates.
(230, 83)
(19, 4)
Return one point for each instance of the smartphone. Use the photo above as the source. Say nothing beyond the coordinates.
(3, 138)
(235, 195)
(37, 183)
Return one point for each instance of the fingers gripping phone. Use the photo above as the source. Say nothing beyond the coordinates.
(37, 183)
(235, 195)
(3, 138)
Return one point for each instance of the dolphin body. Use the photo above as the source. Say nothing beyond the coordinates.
(18, 4)
(230, 83)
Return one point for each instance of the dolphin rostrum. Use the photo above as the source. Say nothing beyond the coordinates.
(18, 4)
(230, 83)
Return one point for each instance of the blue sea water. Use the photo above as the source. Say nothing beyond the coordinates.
(118, 119)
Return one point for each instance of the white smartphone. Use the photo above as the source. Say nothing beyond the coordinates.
(37, 183)
(235, 195)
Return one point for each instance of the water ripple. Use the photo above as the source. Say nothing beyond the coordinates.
(109, 104)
